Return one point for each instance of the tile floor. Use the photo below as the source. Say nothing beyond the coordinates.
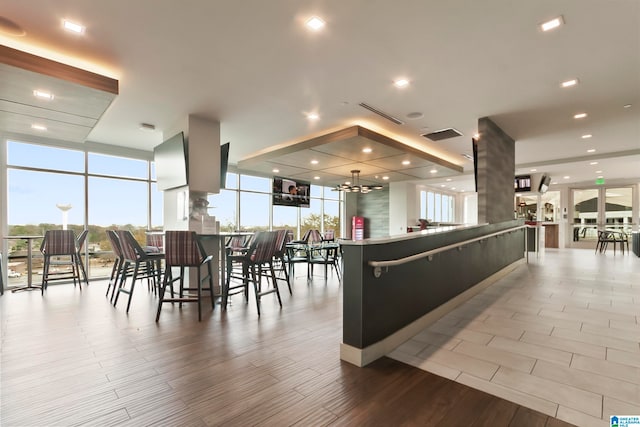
(560, 335)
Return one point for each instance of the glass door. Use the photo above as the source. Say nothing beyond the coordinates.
(602, 208)
(618, 209)
(585, 215)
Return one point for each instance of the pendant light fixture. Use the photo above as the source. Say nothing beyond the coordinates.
(355, 187)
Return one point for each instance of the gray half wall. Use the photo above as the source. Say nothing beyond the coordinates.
(496, 172)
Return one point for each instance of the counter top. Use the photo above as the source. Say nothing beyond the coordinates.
(407, 236)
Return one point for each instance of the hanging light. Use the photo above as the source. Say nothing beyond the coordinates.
(354, 186)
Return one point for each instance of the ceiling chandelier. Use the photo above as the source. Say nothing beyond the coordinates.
(354, 186)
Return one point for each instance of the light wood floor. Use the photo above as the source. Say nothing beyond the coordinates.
(71, 358)
(561, 335)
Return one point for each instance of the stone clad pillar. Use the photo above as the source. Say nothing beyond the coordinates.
(496, 172)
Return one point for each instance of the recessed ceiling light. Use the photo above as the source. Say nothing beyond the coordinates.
(580, 116)
(586, 136)
(598, 171)
(43, 95)
(433, 171)
(406, 162)
(453, 188)
(313, 116)
(566, 177)
(314, 162)
(276, 170)
(448, 179)
(593, 163)
(591, 150)
(554, 182)
(314, 23)
(400, 83)
(73, 27)
(367, 150)
(600, 176)
(442, 185)
(38, 127)
(569, 83)
(316, 177)
(626, 106)
(551, 24)
(533, 170)
(385, 178)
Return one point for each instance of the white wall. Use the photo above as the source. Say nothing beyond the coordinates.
(398, 207)
(469, 208)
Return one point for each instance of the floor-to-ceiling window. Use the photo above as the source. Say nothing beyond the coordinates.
(436, 206)
(246, 204)
(52, 187)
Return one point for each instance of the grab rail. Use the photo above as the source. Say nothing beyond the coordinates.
(379, 265)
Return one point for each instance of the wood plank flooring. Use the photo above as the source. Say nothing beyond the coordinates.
(71, 359)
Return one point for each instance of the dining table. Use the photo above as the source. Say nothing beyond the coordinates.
(304, 252)
(29, 239)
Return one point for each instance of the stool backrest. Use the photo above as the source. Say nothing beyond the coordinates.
(264, 247)
(182, 248)
(131, 249)
(58, 242)
(115, 243)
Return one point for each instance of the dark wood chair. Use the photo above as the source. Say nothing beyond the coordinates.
(604, 238)
(118, 263)
(325, 255)
(145, 265)
(59, 251)
(183, 251)
(256, 263)
(80, 240)
(280, 258)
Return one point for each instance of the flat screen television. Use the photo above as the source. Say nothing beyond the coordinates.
(170, 158)
(544, 183)
(290, 192)
(224, 164)
(522, 183)
(474, 145)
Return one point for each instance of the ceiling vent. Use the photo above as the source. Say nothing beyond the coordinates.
(441, 134)
(381, 114)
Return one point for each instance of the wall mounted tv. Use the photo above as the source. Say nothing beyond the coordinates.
(290, 192)
(522, 183)
(224, 164)
(170, 158)
(544, 183)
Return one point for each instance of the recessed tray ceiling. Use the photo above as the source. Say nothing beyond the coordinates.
(80, 97)
(340, 152)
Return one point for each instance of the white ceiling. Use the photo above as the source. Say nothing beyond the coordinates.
(254, 66)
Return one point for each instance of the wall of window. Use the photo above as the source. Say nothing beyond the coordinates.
(53, 187)
(246, 204)
(437, 206)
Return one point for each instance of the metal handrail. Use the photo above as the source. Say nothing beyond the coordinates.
(379, 265)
